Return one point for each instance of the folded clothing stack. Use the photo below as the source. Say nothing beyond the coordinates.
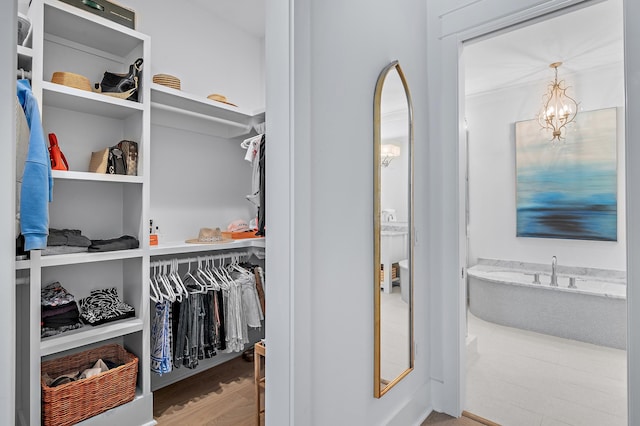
(59, 311)
(103, 306)
(64, 241)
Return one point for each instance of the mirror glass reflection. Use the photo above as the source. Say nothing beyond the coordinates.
(393, 222)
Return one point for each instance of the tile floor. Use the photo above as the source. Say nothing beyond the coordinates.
(522, 378)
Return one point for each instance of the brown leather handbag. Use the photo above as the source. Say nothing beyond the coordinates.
(58, 160)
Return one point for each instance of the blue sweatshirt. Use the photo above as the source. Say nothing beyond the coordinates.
(37, 182)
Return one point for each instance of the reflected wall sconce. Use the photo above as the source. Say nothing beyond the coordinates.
(388, 152)
(558, 108)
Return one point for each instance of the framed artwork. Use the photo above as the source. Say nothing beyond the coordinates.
(568, 189)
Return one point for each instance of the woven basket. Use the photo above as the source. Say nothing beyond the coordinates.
(72, 80)
(76, 401)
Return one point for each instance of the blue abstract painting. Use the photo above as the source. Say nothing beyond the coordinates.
(568, 189)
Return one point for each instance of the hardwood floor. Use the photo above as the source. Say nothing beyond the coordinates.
(221, 396)
(225, 396)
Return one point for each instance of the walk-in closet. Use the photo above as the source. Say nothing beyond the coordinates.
(155, 260)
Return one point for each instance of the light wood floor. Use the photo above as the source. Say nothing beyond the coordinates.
(225, 396)
(221, 396)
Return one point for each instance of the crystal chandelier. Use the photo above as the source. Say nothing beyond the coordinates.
(558, 108)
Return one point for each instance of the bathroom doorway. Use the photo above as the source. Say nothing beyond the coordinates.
(537, 353)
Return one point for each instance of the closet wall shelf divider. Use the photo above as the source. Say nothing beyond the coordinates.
(78, 258)
(97, 177)
(181, 247)
(88, 335)
(73, 99)
(181, 110)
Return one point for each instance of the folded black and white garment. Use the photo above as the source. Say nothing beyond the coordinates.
(67, 237)
(103, 306)
(55, 295)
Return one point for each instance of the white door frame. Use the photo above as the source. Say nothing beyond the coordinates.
(456, 29)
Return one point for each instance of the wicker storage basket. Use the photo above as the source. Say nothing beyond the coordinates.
(73, 402)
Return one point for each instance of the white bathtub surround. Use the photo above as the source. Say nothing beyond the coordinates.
(522, 378)
(594, 312)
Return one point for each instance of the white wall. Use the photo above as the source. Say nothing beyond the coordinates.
(209, 55)
(492, 228)
(320, 101)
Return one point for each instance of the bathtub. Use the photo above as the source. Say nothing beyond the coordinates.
(594, 312)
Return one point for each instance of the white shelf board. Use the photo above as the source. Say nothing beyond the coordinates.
(89, 334)
(22, 264)
(85, 257)
(178, 109)
(95, 177)
(73, 99)
(182, 247)
(76, 25)
(136, 412)
(25, 52)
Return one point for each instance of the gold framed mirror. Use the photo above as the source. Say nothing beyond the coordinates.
(393, 229)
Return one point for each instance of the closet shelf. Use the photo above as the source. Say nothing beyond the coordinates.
(22, 264)
(182, 247)
(96, 177)
(174, 108)
(73, 99)
(78, 258)
(78, 26)
(25, 52)
(88, 335)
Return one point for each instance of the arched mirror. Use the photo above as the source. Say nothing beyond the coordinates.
(393, 224)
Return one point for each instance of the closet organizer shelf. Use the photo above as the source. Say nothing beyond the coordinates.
(78, 258)
(73, 24)
(22, 264)
(182, 247)
(97, 177)
(25, 52)
(174, 108)
(73, 99)
(88, 335)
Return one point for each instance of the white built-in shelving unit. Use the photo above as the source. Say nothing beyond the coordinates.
(103, 206)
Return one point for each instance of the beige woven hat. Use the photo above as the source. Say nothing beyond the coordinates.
(220, 98)
(167, 80)
(209, 236)
(72, 80)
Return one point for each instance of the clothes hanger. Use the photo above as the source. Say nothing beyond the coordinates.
(165, 276)
(153, 294)
(175, 276)
(168, 295)
(189, 277)
(214, 282)
(202, 273)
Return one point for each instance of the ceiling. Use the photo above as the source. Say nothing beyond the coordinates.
(587, 38)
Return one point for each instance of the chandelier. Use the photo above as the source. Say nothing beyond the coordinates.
(558, 108)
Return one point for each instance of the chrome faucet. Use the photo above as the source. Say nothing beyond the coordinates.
(554, 277)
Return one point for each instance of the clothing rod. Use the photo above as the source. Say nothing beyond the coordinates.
(182, 261)
(169, 108)
(22, 74)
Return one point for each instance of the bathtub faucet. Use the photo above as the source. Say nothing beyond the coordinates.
(554, 277)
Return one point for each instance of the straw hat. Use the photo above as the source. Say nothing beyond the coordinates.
(220, 98)
(209, 236)
(72, 80)
(167, 80)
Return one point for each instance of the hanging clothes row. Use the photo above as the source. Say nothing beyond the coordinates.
(208, 308)
(256, 155)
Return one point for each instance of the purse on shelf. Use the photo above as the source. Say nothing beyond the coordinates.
(120, 159)
(58, 160)
(123, 86)
(116, 164)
